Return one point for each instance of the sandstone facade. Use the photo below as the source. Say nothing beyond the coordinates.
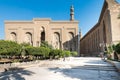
(60, 34)
(105, 33)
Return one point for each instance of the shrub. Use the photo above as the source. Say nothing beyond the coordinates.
(45, 52)
(46, 45)
(109, 50)
(9, 48)
(25, 44)
(34, 51)
(55, 53)
(74, 53)
(66, 53)
(117, 48)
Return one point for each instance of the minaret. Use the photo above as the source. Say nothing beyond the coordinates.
(72, 13)
(80, 34)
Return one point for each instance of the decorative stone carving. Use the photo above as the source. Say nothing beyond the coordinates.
(13, 36)
(56, 39)
(28, 38)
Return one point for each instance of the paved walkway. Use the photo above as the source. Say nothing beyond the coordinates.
(71, 69)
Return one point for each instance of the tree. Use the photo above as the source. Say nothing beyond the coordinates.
(9, 48)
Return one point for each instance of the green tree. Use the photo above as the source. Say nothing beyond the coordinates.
(9, 48)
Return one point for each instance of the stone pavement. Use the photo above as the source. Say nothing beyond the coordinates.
(115, 63)
(83, 68)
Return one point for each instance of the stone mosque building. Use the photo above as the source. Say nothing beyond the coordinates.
(105, 33)
(60, 34)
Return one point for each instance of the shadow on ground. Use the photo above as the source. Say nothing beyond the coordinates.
(98, 69)
(14, 74)
(76, 73)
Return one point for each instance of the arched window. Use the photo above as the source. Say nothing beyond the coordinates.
(56, 40)
(13, 36)
(28, 38)
(43, 36)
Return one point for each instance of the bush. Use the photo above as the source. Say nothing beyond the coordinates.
(117, 48)
(66, 53)
(109, 50)
(46, 45)
(55, 53)
(45, 52)
(25, 44)
(74, 53)
(34, 51)
(9, 48)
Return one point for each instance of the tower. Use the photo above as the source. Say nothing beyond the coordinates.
(72, 13)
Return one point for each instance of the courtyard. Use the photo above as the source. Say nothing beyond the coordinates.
(73, 68)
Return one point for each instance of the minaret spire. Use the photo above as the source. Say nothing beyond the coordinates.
(72, 13)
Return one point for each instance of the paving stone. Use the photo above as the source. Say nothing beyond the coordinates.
(72, 69)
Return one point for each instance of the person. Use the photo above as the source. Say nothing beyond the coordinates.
(101, 55)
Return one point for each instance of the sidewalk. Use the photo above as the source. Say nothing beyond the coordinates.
(115, 63)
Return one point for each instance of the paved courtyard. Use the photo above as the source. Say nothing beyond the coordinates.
(71, 69)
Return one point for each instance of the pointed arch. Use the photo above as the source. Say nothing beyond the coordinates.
(71, 42)
(13, 36)
(42, 34)
(56, 40)
(28, 38)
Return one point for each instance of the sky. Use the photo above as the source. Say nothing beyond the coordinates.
(87, 12)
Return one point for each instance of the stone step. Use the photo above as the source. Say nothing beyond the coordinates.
(96, 67)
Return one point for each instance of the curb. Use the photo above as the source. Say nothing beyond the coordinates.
(114, 63)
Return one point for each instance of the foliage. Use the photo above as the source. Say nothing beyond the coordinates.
(24, 50)
(45, 52)
(66, 53)
(34, 51)
(9, 48)
(109, 50)
(74, 53)
(46, 45)
(117, 48)
(25, 44)
(56, 53)
(38, 51)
